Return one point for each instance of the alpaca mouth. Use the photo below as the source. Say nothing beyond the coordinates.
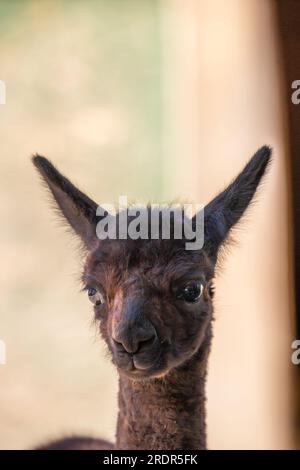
(142, 363)
(139, 367)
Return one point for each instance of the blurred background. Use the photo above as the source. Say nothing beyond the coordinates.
(155, 100)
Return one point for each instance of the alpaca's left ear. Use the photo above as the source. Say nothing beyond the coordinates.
(226, 209)
(75, 206)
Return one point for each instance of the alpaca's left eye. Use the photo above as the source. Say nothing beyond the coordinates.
(191, 291)
(95, 296)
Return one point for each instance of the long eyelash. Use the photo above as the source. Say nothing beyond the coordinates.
(211, 291)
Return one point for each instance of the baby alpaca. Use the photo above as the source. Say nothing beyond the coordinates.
(153, 302)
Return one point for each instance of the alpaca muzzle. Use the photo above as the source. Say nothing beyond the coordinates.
(134, 338)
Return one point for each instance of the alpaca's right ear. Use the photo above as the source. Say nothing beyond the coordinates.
(227, 208)
(77, 208)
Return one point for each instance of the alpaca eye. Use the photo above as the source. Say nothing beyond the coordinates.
(95, 296)
(191, 292)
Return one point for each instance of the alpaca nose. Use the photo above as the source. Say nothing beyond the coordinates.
(134, 339)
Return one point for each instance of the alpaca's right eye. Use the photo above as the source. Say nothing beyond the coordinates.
(95, 296)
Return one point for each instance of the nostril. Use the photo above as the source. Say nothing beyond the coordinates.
(145, 343)
(130, 347)
(134, 345)
(121, 346)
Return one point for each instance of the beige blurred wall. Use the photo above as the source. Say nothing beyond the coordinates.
(223, 100)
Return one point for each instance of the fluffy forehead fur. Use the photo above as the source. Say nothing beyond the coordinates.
(152, 263)
(146, 264)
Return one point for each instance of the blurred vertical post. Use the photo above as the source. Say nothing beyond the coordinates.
(289, 29)
(223, 99)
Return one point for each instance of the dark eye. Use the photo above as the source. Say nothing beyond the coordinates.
(191, 292)
(95, 296)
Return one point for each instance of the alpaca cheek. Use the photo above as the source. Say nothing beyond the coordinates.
(195, 332)
(202, 332)
(104, 331)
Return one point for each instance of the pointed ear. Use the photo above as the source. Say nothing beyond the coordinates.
(226, 209)
(77, 208)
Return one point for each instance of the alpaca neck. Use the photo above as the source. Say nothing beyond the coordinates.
(165, 413)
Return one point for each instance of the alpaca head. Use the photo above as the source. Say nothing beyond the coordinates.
(152, 298)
